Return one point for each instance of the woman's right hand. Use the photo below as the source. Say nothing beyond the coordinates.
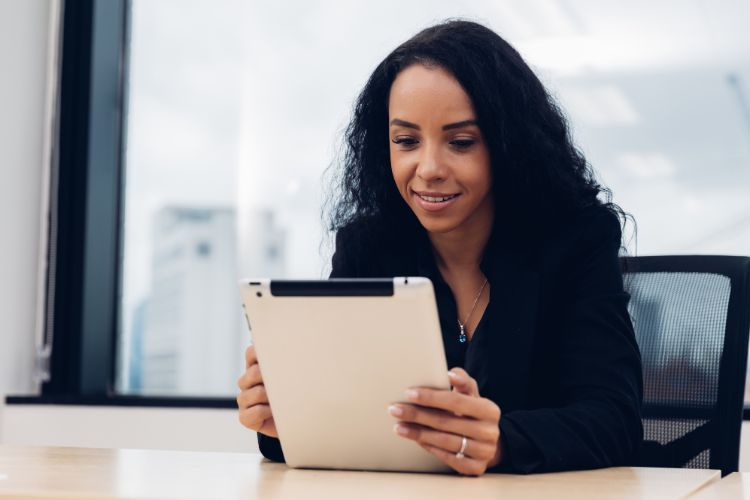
(255, 412)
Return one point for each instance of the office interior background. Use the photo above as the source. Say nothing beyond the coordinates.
(234, 110)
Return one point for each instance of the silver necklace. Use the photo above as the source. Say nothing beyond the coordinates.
(462, 326)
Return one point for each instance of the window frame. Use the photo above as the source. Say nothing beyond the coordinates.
(85, 199)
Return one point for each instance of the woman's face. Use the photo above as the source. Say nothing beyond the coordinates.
(439, 160)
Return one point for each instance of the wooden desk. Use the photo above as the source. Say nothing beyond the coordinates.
(85, 473)
(735, 486)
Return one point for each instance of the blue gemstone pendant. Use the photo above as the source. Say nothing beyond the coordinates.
(462, 335)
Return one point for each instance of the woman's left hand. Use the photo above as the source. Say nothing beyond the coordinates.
(438, 420)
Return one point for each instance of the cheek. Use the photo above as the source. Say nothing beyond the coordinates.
(482, 178)
(400, 171)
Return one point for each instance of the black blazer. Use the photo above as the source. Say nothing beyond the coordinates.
(555, 348)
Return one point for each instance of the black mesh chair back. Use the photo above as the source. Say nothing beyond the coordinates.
(691, 316)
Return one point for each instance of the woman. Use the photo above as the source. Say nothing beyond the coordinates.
(460, 168)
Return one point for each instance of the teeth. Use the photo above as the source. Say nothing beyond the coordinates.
(434, 199)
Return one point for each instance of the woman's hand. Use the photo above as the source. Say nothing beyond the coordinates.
(255, 412)
(438, 420)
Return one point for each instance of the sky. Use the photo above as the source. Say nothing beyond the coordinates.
(242, 104)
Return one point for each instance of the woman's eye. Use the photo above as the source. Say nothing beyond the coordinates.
(462, 143)
(405, 141)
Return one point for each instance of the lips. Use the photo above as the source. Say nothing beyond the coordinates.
(434, 201)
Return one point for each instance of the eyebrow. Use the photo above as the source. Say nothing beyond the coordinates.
(464, 123)
(404, 123)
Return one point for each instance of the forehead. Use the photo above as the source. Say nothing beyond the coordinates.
(421, 92)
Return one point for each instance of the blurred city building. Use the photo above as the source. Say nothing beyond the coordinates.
(192, 330)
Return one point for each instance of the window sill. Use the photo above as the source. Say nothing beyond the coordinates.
(123, 400)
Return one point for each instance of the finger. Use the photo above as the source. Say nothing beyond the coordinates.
(455, 402)
(448, 442)
(254, 417)
(251, 377)
(269, 427)
(463, 382)
(447, 422)
(465, 465)
(250, 356)
(251, 397)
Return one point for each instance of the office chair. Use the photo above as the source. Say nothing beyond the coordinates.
(691, 316)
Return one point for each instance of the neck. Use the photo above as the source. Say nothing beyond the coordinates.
(461, 250)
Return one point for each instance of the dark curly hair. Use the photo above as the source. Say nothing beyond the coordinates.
(539, 176)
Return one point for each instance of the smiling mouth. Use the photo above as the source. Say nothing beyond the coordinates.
(436, 199)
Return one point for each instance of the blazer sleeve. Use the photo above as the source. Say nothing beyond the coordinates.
(599, 421)
(342, 265)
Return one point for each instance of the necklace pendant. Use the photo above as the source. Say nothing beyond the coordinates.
(462, 334)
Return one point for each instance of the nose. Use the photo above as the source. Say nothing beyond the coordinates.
(431, 167)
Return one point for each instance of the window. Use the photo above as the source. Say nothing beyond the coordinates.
(235, 110)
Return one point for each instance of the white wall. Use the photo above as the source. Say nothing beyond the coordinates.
(202, 429)
(24, 29)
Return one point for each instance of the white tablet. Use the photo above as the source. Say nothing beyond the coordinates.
(334, 355)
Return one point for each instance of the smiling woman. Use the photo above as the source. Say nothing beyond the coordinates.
(440, 141)
(460, 168)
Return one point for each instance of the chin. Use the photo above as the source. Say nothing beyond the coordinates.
(437, 225)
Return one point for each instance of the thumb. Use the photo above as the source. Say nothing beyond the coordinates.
(462, 382)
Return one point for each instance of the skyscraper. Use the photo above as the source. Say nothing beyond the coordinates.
(193, 332)
(193, 324)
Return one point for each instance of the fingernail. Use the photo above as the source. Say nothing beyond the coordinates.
(411, 394)
(452, 376)
(395, 411)
(401, 430)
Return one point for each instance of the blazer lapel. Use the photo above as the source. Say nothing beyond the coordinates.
(505, 350)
